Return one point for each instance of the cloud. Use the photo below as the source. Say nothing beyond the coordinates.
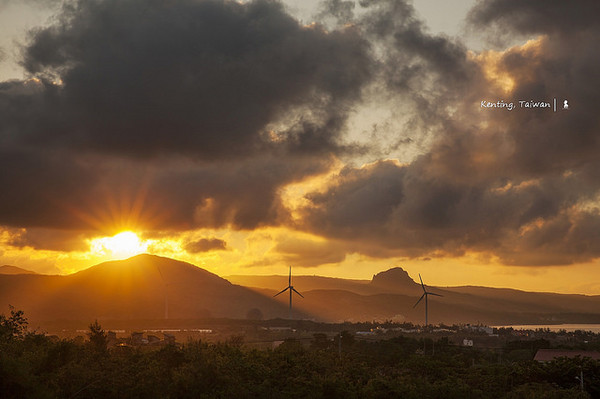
(173, 115)
(341, 11)
(38, 3)
(518, 185)
(205, 245)
(33, 2)
(41, 190)
(49, 239)
(536, 16)
(403, 208)
(569, 237)
(242, 195)
(207, 79)
(189, 114)
(69, 192)
(308, 253)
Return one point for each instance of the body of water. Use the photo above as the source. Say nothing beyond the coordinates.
(595, 328)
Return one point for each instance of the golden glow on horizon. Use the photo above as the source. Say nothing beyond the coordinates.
(122, 245)
(258, 253)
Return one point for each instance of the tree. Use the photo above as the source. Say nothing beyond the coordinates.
(13, 326)
(320, 341)
(98, 337)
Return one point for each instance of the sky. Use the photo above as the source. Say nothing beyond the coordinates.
(458, 140)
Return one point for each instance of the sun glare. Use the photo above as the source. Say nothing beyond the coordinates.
(122, 245)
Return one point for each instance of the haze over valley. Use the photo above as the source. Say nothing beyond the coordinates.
(147, 287)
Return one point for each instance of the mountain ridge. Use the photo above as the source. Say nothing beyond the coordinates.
(144, 286)
(462, 304)
(153, 287)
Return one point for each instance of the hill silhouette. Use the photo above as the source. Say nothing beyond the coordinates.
(391, 295)
(147, 286)
(396, 280)
(308, 283)
(135, 288)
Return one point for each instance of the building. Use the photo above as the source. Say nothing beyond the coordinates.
(169, 338)
(153, 340)
(137, 338)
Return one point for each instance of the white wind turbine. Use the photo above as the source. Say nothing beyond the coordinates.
(425, 295)
(292, 289)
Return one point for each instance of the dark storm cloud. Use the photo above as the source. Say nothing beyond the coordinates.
(243, 195)
(205, 245)
(61, 189)
(536, 16)
(172, 115)
(40, 190)
(187, 114)
(202, 78)
(410, 53)
(181, 195)
(519, 186)
(571, 236)
(560, 64)
(406, 208)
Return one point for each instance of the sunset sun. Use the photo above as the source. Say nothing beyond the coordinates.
(122, 245)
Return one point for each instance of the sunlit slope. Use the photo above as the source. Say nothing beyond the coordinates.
(142, 287)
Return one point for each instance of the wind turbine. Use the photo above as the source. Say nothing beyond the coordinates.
(425, 295)
(292, 289)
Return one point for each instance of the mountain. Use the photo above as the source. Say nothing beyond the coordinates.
(141, 287)
(146, 287)
(392, 294)
(307, 283)
(396, 280)
(7, 269)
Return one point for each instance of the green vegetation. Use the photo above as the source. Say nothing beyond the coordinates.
(35, 366)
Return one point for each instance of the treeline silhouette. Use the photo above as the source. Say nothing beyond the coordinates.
(35, 366)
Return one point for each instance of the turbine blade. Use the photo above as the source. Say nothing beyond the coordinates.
(297, 292)
(422, 285)
(290, 278)
(422, 296)
(282, 291)
(433, 293)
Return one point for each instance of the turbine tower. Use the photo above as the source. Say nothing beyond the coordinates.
(425, 295)
(292, 289)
